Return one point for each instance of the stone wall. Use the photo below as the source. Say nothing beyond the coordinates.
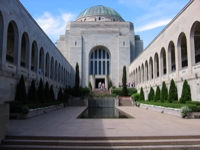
(4, 120)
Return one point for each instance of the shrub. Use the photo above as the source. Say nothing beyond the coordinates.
(60, 95)
(124, 87)
(84, 91)
(135, 96)
(118, 91)
(77, 80)
(193, 102)
(131, 91)
(90, 85)
(151, 94)
(173, 95)
(194, 108)
(40, 92)
(164, 92)
(47, 92)
(184, 111)
(137, 104)
(141, 98)
(52, 95)
(24, 110)
(20, 94)
(186, 93)
(157, 95)
(32, 93)
(109, 85)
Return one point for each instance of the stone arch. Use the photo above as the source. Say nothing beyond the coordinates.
(59, 72)
(171, 57)
(182, 50)
(1, 34)
(100, 59)
(139, 75)
(41, 61)
(195, 42)
(136, 76)
(142, 73)
(47, 65)
(34, 50)
(24, 50)
(52, 68)
(146, 71)
(156, 65)
(12, 43)
(151, 69)
(163, 61)
(56, 71)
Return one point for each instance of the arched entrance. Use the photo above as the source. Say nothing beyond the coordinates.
(99, 66)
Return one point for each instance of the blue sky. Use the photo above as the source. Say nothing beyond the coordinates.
(148, 16)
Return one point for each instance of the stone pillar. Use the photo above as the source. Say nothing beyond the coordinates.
(106, 81)
(92, 80)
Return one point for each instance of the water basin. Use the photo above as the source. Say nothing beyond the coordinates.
(103, 113)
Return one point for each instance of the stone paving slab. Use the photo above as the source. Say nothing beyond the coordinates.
(63, 122)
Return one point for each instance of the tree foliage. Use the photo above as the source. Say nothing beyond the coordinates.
(77, 79)
(60, 95)
(47, 92)
(173, 95)
(164, 92)
(124, 80)
(20, 94)
(41, 97)
(157, 95)
(141, 95)
(52, 95)
(186, 92)
(151, 94)
(32, 93)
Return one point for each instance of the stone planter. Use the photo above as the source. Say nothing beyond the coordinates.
(170, 111)
(36, 112)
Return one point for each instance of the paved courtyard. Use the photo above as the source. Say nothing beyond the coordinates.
(63, 122)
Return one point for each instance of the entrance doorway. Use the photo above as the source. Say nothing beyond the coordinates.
(102, 80)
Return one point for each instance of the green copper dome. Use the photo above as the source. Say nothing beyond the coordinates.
(99, 10)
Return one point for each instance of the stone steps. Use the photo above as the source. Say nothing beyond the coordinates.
(144, 143)
(125, 102)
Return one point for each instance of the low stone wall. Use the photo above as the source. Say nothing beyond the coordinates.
(170, 111)
(4, 120)
(101, 102)
(36, 112)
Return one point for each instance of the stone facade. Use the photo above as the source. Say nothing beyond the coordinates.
(87, 35)
(173, 54)
(26, 49)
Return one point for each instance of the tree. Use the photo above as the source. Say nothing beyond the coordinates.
(52, 95)
(124, 87)
(20, 94)
(173, 95)
(186, 93)
(60, 95)
(141, 95)
(47, 92)
(77, 78)
(151, 94)
(32, 93)
(164, 92)
(41, 97)
(157, 95)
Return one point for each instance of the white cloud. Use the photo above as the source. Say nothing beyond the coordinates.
(54, 26)
(153, 25)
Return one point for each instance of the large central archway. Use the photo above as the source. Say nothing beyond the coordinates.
(99, 65)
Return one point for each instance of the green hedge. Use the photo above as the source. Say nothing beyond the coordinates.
(135, 96)
(118, 91)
